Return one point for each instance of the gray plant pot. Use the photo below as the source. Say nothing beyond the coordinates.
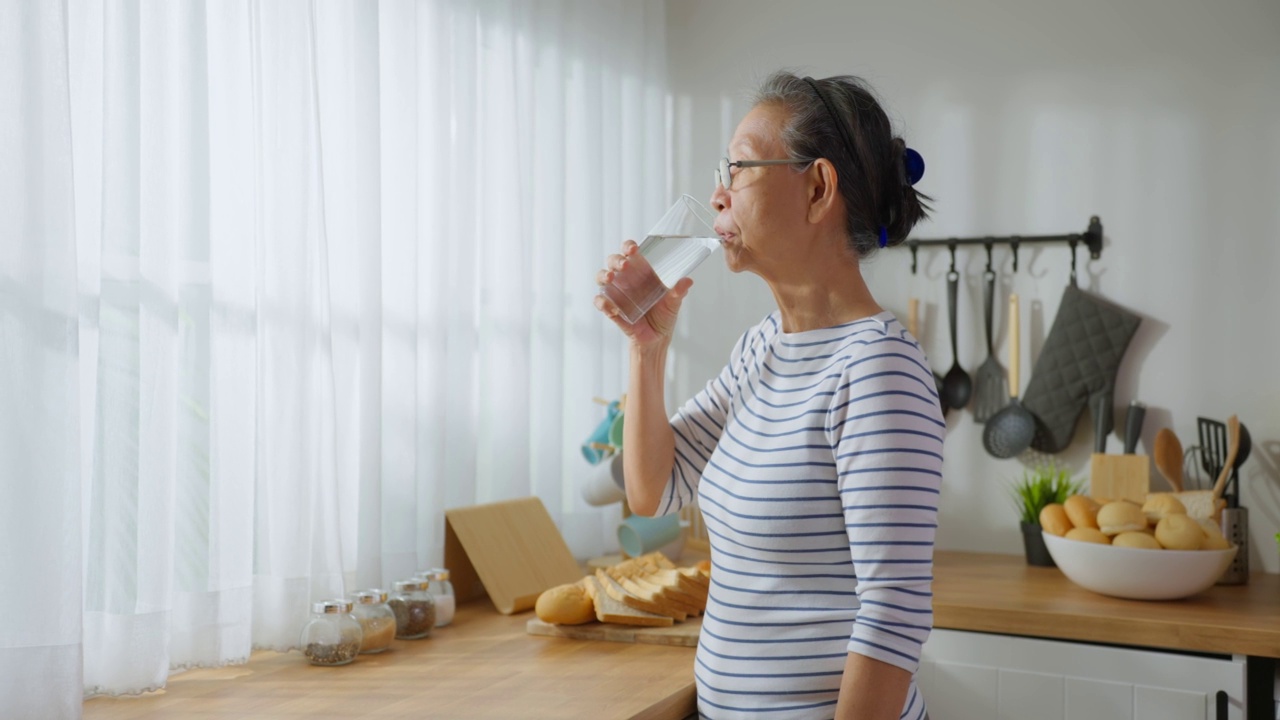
(1033, 544)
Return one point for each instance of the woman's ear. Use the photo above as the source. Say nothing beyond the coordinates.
(823, 189)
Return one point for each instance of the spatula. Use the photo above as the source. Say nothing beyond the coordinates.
(989, 384)
(1233, 448)
(1168, 456)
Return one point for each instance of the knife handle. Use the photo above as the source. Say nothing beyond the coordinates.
(1133, 426)
(1102, 420)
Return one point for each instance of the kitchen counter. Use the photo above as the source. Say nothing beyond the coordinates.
(1002, 594)
(486, 666)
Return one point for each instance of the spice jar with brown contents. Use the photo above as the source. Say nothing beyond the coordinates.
(333, 636)
(376, 619)
(414, 608)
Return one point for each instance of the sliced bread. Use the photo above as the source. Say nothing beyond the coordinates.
(609, 610)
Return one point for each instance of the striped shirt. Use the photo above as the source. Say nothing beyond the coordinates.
(816, 459)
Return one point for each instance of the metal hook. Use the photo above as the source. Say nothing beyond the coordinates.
(1013, 243)
(1073, 242)
(914, 245)
(987, 245)
(951, 245)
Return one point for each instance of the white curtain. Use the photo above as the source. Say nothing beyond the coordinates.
(282, 281)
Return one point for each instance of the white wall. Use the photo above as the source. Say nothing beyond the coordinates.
(1161, 117)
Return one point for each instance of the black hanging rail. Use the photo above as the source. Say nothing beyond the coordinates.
(1091, 238)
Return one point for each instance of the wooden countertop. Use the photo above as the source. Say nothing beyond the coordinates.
(1002, 594)
(486, 666)
(481, 666)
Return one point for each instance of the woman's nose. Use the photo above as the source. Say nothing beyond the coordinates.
(719, 198)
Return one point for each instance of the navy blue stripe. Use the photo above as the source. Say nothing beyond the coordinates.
(787, 708)
(726, 553)
(739, 478)
(802, 623)
(769, 675)
(911, 658)
(717, 568)
(886, 631)
(771, 658)
(709, 686)
(768, 550)
(881, 451)
(797, 591)
(777, 518)
(903, 608)
(765, 641)
(768, 608)
(819, 498)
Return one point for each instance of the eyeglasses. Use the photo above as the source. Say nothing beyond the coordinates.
(724, 174)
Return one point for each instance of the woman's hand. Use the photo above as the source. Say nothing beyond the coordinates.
(656, 327)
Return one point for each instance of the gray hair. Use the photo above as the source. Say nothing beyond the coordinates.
(869, 166)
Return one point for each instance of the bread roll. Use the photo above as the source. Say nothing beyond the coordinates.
(1132, 539)
(565, 605)
(1082, 511)
(1053, 518)
(1179, 532)
(1214, 540)
(1119, 516)
(1087, 534)
(1161, 505)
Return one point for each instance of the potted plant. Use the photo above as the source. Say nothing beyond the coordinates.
(1039, 486)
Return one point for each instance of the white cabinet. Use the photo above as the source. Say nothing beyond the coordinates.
(979, 676)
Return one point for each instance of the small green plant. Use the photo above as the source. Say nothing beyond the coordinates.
(1042, 485)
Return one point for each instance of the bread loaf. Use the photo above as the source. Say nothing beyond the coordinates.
(565, 605)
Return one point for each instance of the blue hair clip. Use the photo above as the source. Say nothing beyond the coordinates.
(913, 163)
(884, 236)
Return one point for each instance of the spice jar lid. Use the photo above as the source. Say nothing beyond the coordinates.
(332, 607)
(371, 597)
(437, 574)
(409, 585)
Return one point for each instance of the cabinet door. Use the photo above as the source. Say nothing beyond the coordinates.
(977, 675)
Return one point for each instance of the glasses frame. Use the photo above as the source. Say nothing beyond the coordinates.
(725, 171)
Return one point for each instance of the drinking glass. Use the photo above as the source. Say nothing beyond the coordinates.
(683, 238)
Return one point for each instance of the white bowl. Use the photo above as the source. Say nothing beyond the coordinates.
(1136, 573)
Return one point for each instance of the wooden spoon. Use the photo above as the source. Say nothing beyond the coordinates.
(1233, 447)
(1168, 455)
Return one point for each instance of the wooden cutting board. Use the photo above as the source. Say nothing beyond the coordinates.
(682, 633)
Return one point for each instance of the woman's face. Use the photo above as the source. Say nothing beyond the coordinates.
(761, 220)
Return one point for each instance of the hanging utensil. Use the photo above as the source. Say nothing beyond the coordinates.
(989, 386)
(1168, 457)
(957, 387)
(1009, 432)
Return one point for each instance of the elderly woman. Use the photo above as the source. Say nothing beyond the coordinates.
(816, 454)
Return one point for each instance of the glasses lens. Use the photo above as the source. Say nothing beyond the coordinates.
(725, 178)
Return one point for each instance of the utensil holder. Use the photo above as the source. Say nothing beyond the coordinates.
(1235, 527)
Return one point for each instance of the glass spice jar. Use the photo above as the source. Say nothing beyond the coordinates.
(439, 586)
(377, 620)
(332, 636)
(414, 608)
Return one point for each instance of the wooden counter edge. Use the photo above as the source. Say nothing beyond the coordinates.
(676, 706)
(1085, 622)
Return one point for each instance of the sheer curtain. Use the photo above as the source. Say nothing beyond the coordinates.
(281, 282)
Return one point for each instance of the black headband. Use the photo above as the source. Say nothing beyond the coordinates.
(844, 134)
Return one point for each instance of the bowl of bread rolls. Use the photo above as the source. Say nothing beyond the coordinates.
(1150, 551)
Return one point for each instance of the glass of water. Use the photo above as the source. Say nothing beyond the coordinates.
(683, 238)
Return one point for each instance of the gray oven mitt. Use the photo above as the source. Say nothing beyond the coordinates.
(1080, 358)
